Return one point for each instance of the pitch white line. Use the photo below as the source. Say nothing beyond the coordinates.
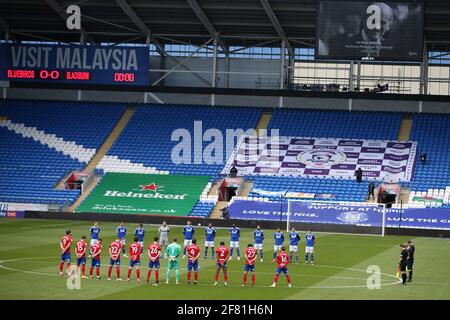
(231, 285)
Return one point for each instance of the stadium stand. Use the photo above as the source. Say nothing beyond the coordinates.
(432, 132)
(328, 124)
(336, 124)
(42, 141)
(146, 139)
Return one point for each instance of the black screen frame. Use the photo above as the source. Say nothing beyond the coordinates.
(418, 58)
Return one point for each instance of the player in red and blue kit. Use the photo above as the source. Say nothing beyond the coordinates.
(96, 250)
(209, 242)
(121, 235)
(258, 235)
(135, 258)
(95, 233)
(282, 261)
(81, 256)
(193, 252)
(154, 252)
(294, 238)
(65, 243)
(140, 234)
(188, 233)
(222, 258)
(235, 234)
(279, 239)
(114, 252)
(310, 241)
(250, 258)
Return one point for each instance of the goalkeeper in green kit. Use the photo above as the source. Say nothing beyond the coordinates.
(173, 251)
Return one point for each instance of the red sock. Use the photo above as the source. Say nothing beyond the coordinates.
(61, 266)
(149, 273)
(109, 271)
(68, 267)
(225, 277)
(98, 272)
(195, 276)
(83, 269)
(275, 279)
(288, 278)
(129, 273)
(90, 271)
(138, 273)
(216, 276)
(245, 278)
(253, 279)
(189, 275)
(118, 272)
(157, 275)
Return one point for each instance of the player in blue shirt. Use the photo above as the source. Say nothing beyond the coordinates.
(188, 233)
(310, 240)
(209, 242)
(95, 232)
(235, 233)
(258, 236)
(279, 239)
(121, 235)
(294, 238)
(140, 234)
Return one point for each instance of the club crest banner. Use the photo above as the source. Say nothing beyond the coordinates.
(337, 158)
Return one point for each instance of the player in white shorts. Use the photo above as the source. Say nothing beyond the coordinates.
(235, 233)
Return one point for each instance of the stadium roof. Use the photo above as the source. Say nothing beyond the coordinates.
(236, 22)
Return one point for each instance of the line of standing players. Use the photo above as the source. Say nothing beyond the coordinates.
(173, 251)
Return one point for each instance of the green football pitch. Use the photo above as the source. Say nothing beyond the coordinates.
(29, 259)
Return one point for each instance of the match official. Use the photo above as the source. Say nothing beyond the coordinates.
(411, 249)
(403, 262)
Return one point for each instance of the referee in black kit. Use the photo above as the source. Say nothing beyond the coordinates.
(403, 261)
(411, 249)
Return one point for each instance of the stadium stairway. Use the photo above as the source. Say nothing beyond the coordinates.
(405, 128)
(263, 122)
(121, 124)
(403, 135)
(101, 152)
(260, 128)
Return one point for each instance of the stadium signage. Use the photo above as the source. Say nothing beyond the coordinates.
(74, 63)
(145, 194)
(131, 194)
(305, 212)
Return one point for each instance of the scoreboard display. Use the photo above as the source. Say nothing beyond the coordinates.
(74, 64)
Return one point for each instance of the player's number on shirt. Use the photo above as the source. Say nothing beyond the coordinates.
(222, 253)
(114, 250)
(251, 255)
(80, 247)
(153, 251)
(134, 250)
(283, 259)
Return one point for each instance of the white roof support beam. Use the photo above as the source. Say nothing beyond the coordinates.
(207, 23)
(277, 25)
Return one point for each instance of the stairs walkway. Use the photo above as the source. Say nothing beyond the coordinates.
(101, 152)
(405, 128)
(121, 124)
(216, 214)
(84, 195)
(263, 123)
(246, 188)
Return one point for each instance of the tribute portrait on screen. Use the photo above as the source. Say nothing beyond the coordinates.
(362, 30)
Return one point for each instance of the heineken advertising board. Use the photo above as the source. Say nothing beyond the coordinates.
(145, 194)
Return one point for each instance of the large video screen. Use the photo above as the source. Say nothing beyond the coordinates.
(367, 30)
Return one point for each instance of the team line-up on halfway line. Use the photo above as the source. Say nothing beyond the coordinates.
(173, 251)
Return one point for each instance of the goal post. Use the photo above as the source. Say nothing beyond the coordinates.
(336, 212)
